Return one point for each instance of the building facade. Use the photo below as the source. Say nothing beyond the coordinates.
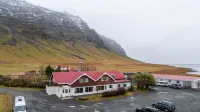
(69, 84)
(184, 81)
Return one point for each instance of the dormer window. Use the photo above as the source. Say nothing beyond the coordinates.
(113, 76)
(81, 80)
(106, 78)
(86, 80)
(102, 78)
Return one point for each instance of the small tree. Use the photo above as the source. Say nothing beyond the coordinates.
(144, 80)
(58, 69)
(49, 70)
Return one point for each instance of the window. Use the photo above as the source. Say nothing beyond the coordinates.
(198, 84)
(110, 86)
(102, 79)
(169, 80)
(69, 90)
(119, 85)
(124, 85)
(88, 89)
(113, 76)
(177, 82)
(100, 88)
(63, 91)
(79, 90)
(86, 80)
(106, 78)
(81, 80)
(160, 79)
(105, 87)
(66, 90)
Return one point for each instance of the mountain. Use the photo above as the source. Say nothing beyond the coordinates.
(32, 36)
(112, 44)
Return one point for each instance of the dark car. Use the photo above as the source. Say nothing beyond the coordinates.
(165, 106)
(175, 86)
(146, 109)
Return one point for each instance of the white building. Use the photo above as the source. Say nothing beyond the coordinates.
(69, 84)
(184, 81)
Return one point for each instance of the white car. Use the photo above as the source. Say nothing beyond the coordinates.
(162, 83)
(20, 104)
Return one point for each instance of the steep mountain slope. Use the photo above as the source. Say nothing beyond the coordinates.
(111, 44)
(32, 36)
(35, 27)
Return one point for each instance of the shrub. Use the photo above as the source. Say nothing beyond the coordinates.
(109, 93)
(4, 79)
(7, 84)
(119, 91)
(17, 83)
(131, 88)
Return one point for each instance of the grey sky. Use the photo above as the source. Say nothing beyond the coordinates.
(158, 31)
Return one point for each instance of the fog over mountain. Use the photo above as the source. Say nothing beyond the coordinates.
(153, 31)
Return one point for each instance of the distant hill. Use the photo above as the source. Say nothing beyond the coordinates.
(112, 44)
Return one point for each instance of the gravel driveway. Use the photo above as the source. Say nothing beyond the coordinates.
(37, 101)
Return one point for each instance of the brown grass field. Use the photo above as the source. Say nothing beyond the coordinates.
(5, 103)
(24, 57)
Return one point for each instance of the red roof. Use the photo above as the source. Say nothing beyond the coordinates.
(175, 77)
(117, 74)
(70, 77)
(123, 80)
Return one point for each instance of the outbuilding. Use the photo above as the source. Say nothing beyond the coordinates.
(184, 81)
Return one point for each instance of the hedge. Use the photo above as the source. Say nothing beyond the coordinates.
(119, 91)
(4, 79)
(25, 83)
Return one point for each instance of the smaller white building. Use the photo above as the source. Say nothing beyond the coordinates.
(184, 81)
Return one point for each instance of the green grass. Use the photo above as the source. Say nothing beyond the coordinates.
(5, 103)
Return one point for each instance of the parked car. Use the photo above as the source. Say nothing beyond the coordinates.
(147, 109)
(165, 106)
(175, 86)
(20, 104)
(162, 83)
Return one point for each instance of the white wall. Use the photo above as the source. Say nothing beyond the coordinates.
(195, 84)
(59, 90)
(50, 90)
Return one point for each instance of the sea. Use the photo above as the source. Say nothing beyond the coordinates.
(195, 68)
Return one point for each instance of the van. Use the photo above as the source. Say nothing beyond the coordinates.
(162, 83)
(20, 104)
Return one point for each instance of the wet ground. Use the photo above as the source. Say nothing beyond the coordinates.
(38, 101)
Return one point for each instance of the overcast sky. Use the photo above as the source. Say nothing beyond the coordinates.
(157, 31)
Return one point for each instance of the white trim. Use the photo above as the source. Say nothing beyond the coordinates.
(103, 75)
(84, 74)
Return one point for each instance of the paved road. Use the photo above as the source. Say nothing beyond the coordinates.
(38, 101)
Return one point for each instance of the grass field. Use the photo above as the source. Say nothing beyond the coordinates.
(5, 103)
(25, 57)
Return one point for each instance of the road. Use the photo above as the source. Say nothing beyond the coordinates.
(38, 101)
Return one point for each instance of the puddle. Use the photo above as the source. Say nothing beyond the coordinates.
(72, 106)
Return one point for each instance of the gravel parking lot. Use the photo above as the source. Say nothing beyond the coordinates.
(37, 101)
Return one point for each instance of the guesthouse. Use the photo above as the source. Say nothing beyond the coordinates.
(69, 84)
(184, 81)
